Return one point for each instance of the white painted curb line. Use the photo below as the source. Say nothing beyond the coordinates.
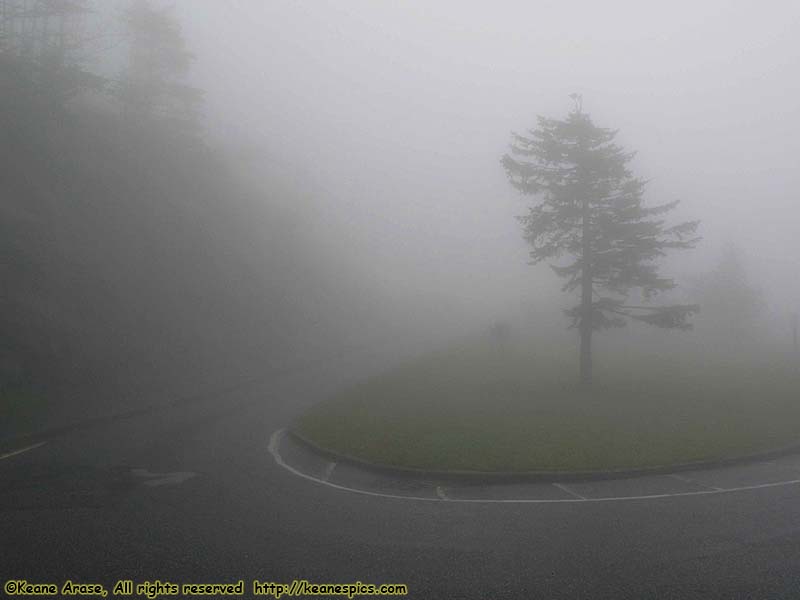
(277, 436)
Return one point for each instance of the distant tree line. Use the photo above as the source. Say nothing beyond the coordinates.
(127, 246)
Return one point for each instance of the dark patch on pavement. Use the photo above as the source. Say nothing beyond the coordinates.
(59, 486)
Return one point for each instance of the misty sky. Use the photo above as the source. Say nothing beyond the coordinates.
(390, 118)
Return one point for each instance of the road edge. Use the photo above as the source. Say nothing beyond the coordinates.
(488, 477)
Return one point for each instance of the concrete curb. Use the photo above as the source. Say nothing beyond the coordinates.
(484, 477)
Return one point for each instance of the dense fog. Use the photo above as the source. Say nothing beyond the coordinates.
(340, 183)
(410, 298)
(392, 117)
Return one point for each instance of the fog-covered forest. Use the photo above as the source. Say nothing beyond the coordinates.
(192, 191)
(134, 251)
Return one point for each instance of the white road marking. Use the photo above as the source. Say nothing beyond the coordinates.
(693, 482)
(156, 479)
(275, 438)
(564, 488)
(329, 471)
(21, 450)
(440, 493)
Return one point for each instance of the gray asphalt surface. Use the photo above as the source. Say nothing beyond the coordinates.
(91, 506)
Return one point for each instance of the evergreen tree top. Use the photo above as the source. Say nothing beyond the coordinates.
(591, 209)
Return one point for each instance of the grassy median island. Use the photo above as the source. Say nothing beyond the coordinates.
(484, 407)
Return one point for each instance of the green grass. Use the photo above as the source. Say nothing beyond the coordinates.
(483, 408)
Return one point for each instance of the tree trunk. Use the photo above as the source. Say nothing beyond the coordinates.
(586, 356)
(586, 330)
(586, 301)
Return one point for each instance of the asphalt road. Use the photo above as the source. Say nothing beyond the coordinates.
(192, 494)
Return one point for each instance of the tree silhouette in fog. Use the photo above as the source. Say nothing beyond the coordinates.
(152, 85)
(735, 302)
(48, 42)
(591, 211)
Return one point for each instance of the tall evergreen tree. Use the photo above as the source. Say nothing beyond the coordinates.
(152, 86)
(591, 210)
